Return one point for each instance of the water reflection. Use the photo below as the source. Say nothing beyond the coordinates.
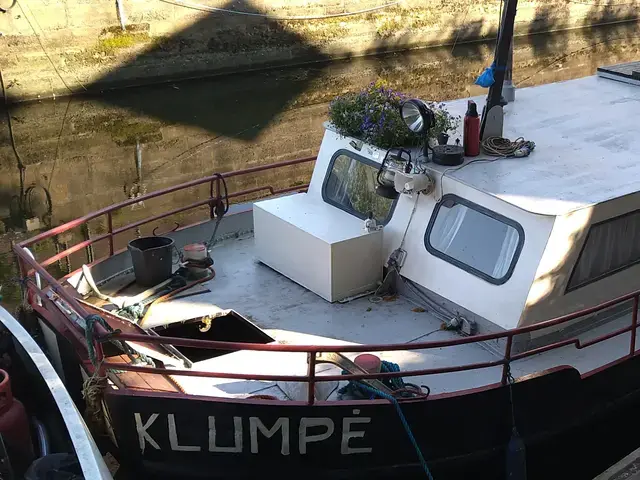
(79, 155)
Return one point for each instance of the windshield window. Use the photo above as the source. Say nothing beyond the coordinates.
(350, 186)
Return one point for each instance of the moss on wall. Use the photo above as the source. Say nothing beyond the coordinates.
(123, 129)
(110, 43)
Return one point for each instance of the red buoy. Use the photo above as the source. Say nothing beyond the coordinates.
(14, 424)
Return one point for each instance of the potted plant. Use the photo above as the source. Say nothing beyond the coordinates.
(373, 116)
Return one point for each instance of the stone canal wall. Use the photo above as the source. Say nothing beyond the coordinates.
(82, 149)
(56, 47)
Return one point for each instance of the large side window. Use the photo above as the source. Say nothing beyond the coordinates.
(350, 185)
(611, 246)
(474, 238)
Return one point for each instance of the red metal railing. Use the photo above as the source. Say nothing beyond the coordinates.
(53, 312)
(215, 192)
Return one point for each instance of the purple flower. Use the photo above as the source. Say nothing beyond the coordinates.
(366, 124)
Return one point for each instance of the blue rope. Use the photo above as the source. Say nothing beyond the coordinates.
(404, 421)
(390, 367)
(396, 383)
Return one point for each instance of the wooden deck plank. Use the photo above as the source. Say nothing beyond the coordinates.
(143, 381)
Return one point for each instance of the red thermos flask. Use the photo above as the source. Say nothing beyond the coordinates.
(471, 130)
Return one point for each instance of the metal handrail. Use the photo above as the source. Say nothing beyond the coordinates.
(311, 378)
(193, 183)
(311, 350)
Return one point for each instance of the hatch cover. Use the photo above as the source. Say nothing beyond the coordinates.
(625, 72)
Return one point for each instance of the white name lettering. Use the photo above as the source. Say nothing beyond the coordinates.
(173, 437)
(305, 424)
(256, 424)
(237, 437)
(282, 430)
(347, 434)
(143, 436)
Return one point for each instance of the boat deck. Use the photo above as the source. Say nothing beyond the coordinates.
(567, 172)
(291, 314)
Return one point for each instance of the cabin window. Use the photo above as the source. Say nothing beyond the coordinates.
(350, 185)
(610, 246)
(475, 239)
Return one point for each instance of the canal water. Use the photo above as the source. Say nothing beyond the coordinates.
(78, 154)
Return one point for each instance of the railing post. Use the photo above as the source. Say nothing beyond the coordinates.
(311, 374)
(24, 288)
(211, 197)
(507, 359)
(110, 228)
(36, 275)
(99, 353)
(634, 325)
(218, 190)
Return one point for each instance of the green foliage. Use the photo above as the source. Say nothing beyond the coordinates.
(373, 115)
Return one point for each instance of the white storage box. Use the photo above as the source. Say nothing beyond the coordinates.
(318, 246)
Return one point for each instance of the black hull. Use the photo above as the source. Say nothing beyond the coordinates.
(573, 428)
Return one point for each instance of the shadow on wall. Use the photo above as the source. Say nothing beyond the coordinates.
(223, 42)
(230, 113)
(622, 16)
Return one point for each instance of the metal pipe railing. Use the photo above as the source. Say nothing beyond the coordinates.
(384, 347)
(193, 183)
(507, 360)
(111, 233)
(39, 267)
(310, 378)
(311, 350)
(634, 325)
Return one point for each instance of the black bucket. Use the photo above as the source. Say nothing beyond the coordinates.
(152, 259)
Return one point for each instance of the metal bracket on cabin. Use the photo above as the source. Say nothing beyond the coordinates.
(344, 363)
(397, 258)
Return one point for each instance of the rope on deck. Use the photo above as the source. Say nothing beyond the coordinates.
(405, 424)
(400, 388)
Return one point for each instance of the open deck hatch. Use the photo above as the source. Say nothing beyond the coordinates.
(231, 327)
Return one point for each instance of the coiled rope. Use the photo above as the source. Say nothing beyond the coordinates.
(503, 147)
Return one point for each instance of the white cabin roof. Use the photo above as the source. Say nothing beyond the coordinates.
(587, 147)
